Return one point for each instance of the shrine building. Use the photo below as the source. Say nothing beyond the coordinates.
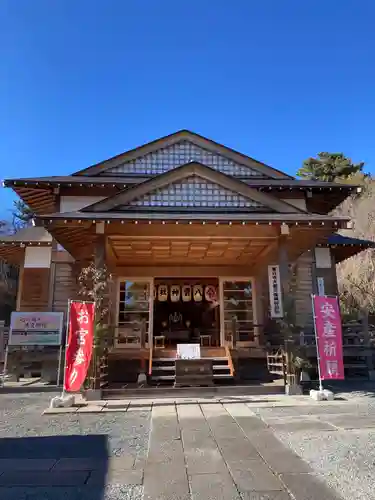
(201, 242)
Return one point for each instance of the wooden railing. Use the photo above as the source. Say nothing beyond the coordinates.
(230, 361)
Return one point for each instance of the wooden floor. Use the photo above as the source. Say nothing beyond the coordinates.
(168, 352)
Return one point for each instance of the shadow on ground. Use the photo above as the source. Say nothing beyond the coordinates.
(53, 467)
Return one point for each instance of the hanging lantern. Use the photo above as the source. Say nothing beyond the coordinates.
(198, 293)
(186, 293)
(210, 293)
(162, 293)
(175, 293)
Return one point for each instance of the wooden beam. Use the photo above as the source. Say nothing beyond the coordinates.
(185, 271)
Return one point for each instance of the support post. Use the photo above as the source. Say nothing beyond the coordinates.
(292, 385)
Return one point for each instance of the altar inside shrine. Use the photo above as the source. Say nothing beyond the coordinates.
(186, 311)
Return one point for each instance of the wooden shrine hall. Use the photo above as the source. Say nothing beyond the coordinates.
(200, 241)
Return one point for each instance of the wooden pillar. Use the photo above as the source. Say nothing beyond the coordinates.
(288, 309)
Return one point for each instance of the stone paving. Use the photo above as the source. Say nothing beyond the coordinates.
(151, 450)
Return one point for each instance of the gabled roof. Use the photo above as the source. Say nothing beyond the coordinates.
(237, 187)
(192, 137)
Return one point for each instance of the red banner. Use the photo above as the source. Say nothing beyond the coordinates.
(328, 333)
(80, 341)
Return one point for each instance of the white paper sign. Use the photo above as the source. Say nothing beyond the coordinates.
(321, 287)
(188, 351)
(275, 292)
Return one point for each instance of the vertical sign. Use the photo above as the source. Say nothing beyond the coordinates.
(328, 334)
(275, 292)
(321, 288)
(80, 341)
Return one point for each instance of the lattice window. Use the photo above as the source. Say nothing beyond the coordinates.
(183, 152)
(196, 192)
(238, 309)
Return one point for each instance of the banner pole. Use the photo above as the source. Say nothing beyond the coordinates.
(59, 366)
(5, 365)
(317, 345)
(66, 345)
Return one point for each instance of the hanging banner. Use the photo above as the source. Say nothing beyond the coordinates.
(210, 293)
(175, 293)
(162, 293)
(80, 342)
(198, 293)
(186, 293)
(274, 286)
(328, 333)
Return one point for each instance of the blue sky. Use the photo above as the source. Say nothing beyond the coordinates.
(278, 80)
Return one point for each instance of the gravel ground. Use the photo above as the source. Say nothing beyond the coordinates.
(127, 434)
(343, 454)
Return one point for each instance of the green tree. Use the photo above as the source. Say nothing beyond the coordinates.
(329, 167)
(22, 215)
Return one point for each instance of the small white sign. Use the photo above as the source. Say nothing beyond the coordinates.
(188, 351)
(274, 284)
(321, 287)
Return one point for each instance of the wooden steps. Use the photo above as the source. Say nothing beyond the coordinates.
(163, 365)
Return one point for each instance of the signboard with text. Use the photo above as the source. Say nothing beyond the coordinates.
(188, 351)
(328, 333)
(80, 343)
(35, 329)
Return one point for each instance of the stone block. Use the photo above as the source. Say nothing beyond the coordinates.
(286, 462)
(166, 452)
(265, 495)
(64, 401)
(324, 395)
(213, 486)
(90, 409)
(26, 464)
(293, 390)
(257, 477)
(308, 487)
(56, 411)
(164, 481)
(328, 395)
(204, 461)
(41, 478)
(117, 476)
(93, 394)
(317, 395)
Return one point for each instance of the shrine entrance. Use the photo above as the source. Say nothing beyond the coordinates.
(186, 311)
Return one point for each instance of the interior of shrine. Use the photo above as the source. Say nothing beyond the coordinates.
(186, 311)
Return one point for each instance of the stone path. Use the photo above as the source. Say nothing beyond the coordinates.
(201, 450)
(215, 451)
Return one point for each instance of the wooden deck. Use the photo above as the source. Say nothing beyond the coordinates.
(206, 352)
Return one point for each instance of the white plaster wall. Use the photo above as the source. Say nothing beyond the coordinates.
(296, 202)
(37, 257)
(323, 258)
(74, 203)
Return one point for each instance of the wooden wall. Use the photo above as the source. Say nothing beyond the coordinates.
(64, 286)
(304, 290)
(34, 289)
